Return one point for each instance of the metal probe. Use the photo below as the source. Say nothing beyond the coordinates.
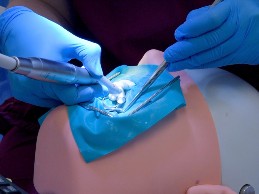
(53, 71)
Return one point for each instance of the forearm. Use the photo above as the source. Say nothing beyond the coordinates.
(57, 11)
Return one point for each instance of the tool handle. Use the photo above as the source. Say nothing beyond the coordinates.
(52, 71)
(59, 72)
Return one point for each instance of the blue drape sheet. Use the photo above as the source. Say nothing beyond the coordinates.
(98, 135)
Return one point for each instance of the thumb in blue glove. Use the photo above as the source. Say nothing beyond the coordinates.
(27, 34)
(216, 36)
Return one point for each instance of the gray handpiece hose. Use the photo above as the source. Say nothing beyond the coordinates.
(53, 71)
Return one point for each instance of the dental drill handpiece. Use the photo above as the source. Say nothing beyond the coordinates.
(53, 71)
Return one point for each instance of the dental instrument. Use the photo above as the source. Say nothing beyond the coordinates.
(149, 82)
(53, 71)
(89, 107)
(154, 95)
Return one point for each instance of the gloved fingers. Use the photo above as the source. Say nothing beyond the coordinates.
(197, 12)
(218, 56)
(189, 47)
(74, 94)
(209, 20)
(89, 53)
(189, 64)
(30, 91)
(46, 94)
(40, 101)
(92, 91)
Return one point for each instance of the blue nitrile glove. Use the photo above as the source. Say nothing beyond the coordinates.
(27, 34)
(215, 36)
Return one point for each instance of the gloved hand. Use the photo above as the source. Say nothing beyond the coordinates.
(27, 34)
(215, 36)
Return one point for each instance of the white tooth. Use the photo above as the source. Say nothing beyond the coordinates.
(121, 98)
(125, 84)
(118, 84)
(112, 97)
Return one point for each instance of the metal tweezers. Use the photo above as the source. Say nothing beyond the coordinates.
(149, 82)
